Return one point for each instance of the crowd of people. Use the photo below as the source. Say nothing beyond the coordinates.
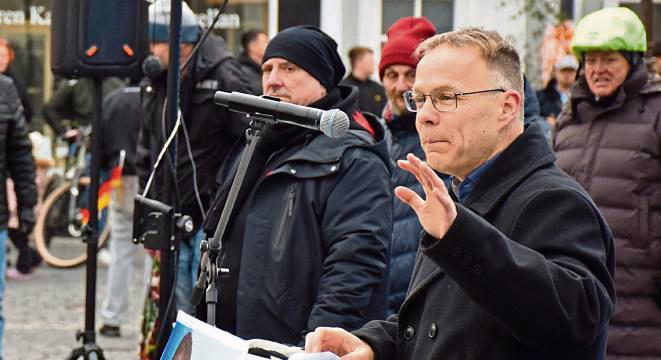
(463, 215)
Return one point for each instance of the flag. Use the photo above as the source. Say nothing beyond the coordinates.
(105, 190)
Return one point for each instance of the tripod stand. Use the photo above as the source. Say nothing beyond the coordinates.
(211, 269)
(90, 350)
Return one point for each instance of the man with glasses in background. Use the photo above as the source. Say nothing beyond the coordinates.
(515, 261)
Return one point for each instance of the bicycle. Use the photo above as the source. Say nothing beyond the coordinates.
(59, 231)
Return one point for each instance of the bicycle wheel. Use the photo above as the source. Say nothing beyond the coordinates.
(58, 244)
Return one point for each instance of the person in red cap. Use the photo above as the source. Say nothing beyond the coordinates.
(397, 72)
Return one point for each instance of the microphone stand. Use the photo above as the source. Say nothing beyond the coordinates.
(90, 350)
(210, 249)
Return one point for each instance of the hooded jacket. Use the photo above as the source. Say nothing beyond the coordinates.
(549, 99)
(316, 235)
(613, 150)
(211, 129)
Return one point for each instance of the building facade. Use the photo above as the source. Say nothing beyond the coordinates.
(26, 24)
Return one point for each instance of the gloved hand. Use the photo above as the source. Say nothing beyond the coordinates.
(26, 221)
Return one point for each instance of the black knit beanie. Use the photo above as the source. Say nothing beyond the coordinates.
(312, 50)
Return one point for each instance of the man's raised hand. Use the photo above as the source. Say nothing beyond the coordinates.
(437, 211)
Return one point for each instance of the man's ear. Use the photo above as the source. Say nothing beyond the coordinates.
(511, 107)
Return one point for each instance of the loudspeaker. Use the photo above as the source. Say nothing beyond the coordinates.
(98, 38)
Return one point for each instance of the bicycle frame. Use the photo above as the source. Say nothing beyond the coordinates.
(75, 173)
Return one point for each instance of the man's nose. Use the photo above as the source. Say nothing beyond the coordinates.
(402, 84)
(427, 115)
(273, 78)
(599, 65)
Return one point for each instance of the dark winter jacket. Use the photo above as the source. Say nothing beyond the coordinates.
(524, 272)
(253, 73)
(614, 151)
(531, 114)
(371, 95)
(211, 129)
(549, 100)
(120, 127)
(15, 156)
(317, 235)
(23, 95)
(406, 226)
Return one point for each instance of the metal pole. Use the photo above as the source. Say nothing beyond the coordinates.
(168, 260)
(90, 350)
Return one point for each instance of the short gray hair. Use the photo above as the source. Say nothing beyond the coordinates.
(498, 53)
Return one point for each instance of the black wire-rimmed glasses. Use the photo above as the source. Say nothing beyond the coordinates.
(443, 101)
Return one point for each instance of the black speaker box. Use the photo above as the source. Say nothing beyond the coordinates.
(98, 38)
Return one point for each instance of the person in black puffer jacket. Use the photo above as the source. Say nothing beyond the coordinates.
(15, 161)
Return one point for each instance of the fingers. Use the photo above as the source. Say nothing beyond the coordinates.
(409, 197)
(313, 342)
(413, 169)
(357, 355)
(325, 339)
(443, 197)
(428, 173)
(423, 173)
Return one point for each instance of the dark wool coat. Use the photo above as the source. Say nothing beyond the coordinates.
(524, 272)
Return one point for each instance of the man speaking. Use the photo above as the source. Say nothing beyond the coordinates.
(308, 240)
(518, 262)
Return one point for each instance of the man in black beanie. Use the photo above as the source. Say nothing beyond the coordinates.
(308, 241)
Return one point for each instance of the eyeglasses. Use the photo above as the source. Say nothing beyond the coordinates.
(442, 101)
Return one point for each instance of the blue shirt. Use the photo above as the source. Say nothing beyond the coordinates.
(463, 189)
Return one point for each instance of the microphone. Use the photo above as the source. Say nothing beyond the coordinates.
(333, 123)
(151, 66)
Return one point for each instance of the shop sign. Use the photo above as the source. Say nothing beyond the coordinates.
(39, 15)
(36, 15)
(226, 21)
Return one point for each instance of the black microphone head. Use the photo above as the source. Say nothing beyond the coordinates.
(151, 66)
(334, 123)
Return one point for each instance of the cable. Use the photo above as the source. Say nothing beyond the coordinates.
(196, 189)
(160, 156)
(203, 37)
(192, 160)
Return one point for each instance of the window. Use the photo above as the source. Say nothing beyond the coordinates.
(440, 13)
(239, 16)
(394, 10)
(567, 9)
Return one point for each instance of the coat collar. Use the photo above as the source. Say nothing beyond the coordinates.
(527, 153)
(324, 150)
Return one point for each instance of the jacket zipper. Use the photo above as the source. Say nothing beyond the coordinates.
(291, 197)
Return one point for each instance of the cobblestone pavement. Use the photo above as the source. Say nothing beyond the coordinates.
(43, 313)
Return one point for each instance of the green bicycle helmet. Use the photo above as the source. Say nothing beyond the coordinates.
(609, 29)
